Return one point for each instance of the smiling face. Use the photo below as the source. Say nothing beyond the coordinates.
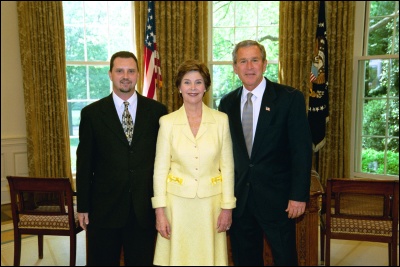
(250, 66)
(124, 75)
(192, 87)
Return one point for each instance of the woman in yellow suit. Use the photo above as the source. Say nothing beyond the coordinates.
(193, 177)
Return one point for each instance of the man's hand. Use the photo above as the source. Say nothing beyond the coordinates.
(83, 219)
(295, 209)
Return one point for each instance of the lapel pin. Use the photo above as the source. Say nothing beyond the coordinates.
(267, 109)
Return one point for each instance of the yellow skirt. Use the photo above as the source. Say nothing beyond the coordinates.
(195, 240)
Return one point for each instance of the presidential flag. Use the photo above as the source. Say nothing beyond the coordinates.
(318, 112)
(152, 67)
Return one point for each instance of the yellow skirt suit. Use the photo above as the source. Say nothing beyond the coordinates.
(193, 180)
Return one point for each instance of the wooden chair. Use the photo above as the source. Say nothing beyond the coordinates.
(51, 213)
(361, 209)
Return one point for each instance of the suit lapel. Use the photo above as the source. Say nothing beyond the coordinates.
(111, 118)
(142, 115)
(267, 111)
(236, 120)
(206, 119)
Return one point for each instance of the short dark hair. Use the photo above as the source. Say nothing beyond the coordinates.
(193, 65)
(247, 43)
(123, 54)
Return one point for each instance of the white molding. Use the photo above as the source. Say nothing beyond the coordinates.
(14, 161)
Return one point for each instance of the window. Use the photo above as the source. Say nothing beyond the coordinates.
(93, 32)
(235, 21)
(375, 135)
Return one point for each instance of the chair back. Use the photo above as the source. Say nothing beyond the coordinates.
(38, 196)
(364, 210)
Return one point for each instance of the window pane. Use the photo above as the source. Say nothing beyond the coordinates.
(248, 18)
(373, 159)
(268, 13)
(93, 32)
(99, 82)
(224, 81)
(393, 157)
(383, 28)
(74, 141)
(74, 30)
(392, 77)
(374, 117)
(269, 38)
(237, 21)
(76, 82)
(245, 33)
(222, 13)
(272, 72)
(97, 40)
(223, 43)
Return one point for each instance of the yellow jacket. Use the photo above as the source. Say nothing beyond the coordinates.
(187, 166)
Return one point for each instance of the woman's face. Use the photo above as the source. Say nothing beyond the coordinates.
(192, 87)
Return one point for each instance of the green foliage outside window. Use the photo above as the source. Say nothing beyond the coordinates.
(380, 125)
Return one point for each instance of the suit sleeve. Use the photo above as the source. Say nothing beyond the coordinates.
(227, 167)
(300, 148)
(84, 165)
(162, 165)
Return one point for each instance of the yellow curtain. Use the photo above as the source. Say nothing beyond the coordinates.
(42, 44)
(181, 30)
(298, 22)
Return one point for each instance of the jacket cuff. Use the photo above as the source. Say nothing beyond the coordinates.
(158, 202)
(230, 204)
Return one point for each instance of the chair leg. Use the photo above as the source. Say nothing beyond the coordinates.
(40, 246)
(393, 254)
(17, 249)
(72, 250)
(322, 244)
(328, 251)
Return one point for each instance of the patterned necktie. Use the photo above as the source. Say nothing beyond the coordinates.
(127, 123)
(247, 123)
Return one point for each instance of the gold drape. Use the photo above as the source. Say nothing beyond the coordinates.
(181, 30)
(42, 44)
(298, 22)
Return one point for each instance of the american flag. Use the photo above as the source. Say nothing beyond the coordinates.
(152, 66)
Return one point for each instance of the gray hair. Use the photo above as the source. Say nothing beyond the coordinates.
(247, 43)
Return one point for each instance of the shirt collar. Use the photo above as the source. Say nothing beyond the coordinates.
(257, 92)
(119, 102)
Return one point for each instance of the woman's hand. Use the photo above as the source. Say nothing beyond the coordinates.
(224, 220)
(162, 224)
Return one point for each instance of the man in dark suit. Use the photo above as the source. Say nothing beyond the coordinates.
(272, 176)
(114, 176)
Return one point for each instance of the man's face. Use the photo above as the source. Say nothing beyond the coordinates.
(250, 66)
(124, 77)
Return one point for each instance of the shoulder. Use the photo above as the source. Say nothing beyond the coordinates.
(218, 115)
(284, 89)
(284, 94)
(99, 104)
(154, 105)
(232, 95)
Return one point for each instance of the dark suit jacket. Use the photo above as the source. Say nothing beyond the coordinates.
(111, 175)
(280, 164)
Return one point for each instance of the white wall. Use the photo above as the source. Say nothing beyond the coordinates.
(12, 98)
(13, 127)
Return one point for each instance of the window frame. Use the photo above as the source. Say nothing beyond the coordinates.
(92, 63)
(361, 26)
(212, 62)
